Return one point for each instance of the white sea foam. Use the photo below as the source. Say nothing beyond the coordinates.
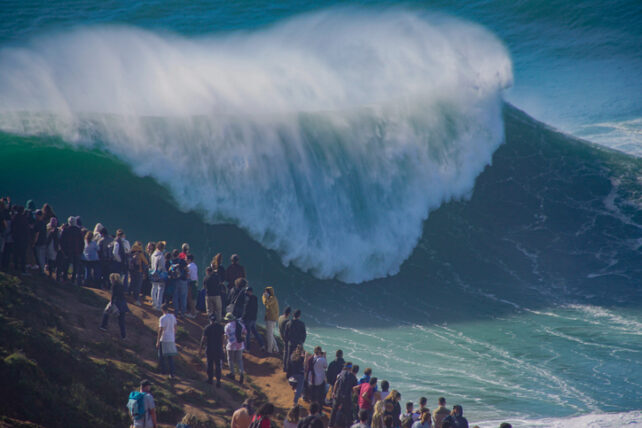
(593, 420)
(329, 138)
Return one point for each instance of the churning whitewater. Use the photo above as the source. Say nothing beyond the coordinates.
(328, 138)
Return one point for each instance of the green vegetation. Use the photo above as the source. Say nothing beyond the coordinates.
(50, 376)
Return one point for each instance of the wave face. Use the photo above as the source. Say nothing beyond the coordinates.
(329, 138)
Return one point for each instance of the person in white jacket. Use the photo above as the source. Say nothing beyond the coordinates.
(158, 272)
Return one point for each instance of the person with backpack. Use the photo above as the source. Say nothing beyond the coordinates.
(142, 409)
(341, 415)
(117, 305)
(334, 368)
(137, 265)
(262, 417)
(158, 275)
(178, 275)
(235, 333)
(295, 332)
(212, 341)
(166, 340)
(316, 375)
(296, 372)
(236, 298)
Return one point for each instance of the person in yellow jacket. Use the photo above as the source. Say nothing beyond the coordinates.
(271, 317)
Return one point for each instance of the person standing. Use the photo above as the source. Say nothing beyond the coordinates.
(456, 418)
(158, 275)
(296, 372)
(334, 368)
(295, 332)
(178, 274)
(212, 341)
(214, 289)
(90, 258)
(316, 375)
(242, 416)
(166, 340)
(117, 305)
(53, 247)
(192, 281)
(283, 321)
(249, 318)
(271, 317)
(105, 255)
(120, 252)
(440, 412)
(137, 265)
(40, 240)
(341, 415)
(235, 333)
(143, 396)
(234, 271)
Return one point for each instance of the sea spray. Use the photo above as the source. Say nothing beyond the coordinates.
(329, 138)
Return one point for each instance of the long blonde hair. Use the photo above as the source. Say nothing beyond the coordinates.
(377, 417)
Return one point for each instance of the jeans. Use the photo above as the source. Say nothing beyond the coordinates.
(41, 253)
(235, 358)
(180, 297)
(213, 361)
(136, 281)
(213, 305)
(121, 322)
(161, 361)
(269, 336)
(158, 289)
(250, 325)
(299, 387)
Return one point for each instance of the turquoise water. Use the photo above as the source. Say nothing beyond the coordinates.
(363, 161)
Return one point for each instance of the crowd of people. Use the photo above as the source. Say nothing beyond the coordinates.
(33, 240)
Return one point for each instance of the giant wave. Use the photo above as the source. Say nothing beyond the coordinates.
(329, 138)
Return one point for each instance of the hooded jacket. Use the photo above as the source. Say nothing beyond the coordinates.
(271, 306)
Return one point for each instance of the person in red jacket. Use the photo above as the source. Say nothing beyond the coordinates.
(263, 416)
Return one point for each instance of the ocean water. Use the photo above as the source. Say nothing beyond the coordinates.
(378, 164)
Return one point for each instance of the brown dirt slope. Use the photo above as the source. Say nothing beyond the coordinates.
(59, 369)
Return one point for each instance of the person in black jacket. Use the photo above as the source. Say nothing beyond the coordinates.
(334, 368)
(20, 234)
(212, 341)
(249, 318)
(295, 332)
(456, 417)
(215, 290)
(118, 304)
(71, 245)
(236, 298)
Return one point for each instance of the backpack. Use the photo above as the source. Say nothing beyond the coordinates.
(134, 263)
(256, 423)
(136, 405)
(174, 271)
(342, 387)
(105, 248)
(238, 332)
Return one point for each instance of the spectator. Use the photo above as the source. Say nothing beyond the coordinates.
(20, 236)
(283, 320)
(249, 318)
(242, 416)
(271, 317)
(90, 259)
(178, 275)
(335, 368)
(234, 271)
(212, 341)
(120, 252)
(235, 333)
(117, 305)
(341, 415)
(295, 372)
(166, 340)
(440, 413)
(105, 254)
(158, 275)
(148, 420)
(236, 298)
(363, 419)
(184, 251)
(137, 265)
(192, 281)
(424, 420)
(316, 375)
(295, 332)
(53, 246)
(295, 414)
(40, 241)
(456, 418)
(263, 416)
(214, 288)
(377, 416)
(315, 416)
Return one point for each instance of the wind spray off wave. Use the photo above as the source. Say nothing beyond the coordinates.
(328, 138)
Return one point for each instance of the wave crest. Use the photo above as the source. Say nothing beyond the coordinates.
(329, 138)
